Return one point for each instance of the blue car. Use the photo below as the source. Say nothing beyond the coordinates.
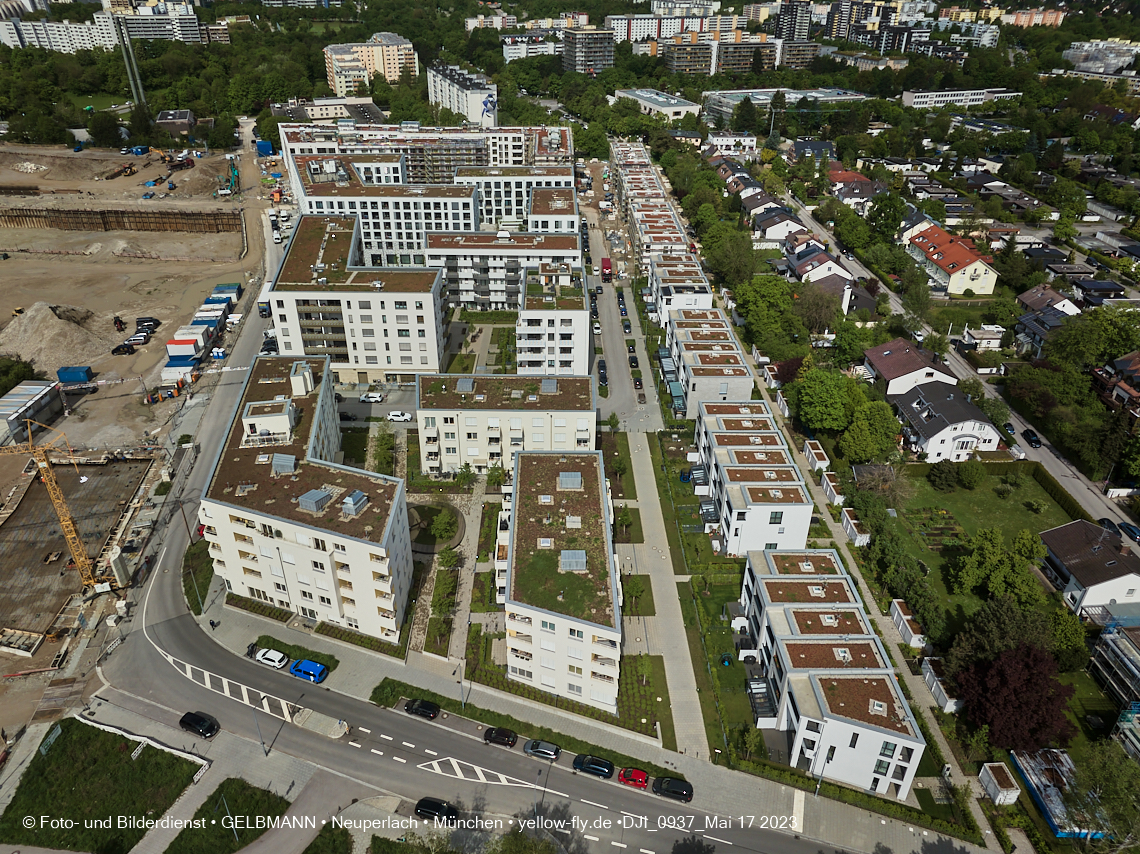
(1130, 532)
(309, 670)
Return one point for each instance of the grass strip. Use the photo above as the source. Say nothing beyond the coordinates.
(668, 512)
(629, 484)
(197, 575)
(241, 799)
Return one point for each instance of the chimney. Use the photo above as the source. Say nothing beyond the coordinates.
(1125, 549)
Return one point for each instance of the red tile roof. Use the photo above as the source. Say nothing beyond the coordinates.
(949, 252)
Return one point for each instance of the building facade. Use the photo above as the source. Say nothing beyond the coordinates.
(957, 97)
(472, 96)
(587, 50)
(386, 54)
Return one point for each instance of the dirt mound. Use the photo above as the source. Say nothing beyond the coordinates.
(51, 336)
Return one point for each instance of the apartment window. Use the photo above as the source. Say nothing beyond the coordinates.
(325, 600)
(279, 587)
(854, 739)
(318, 566)
(771, 546)
(813, 726)
(575, 670)
(776, 518)
(882, 766)
(547, 626)
(574, 689)
(900, 772)
(905, 754)
(888, 749)
(305, 594)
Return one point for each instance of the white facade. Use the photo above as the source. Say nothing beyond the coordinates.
(385, 54)
(653, 102)
(907, 625)
(553, 210)
(824, 676)
(338, 555)
(677, 282)
(956, 97)
(472, 96)
(486, 419)
(163, 22)
(958, 442)
(932, 676)
(572, 654)
(504, 193)
(998, 784)
(708, 371)
(553, 341)
(523, 49)
(853, 528)
(726, 142)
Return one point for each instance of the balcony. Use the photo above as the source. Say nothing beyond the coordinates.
(520, 618)
(603, 660)
(521, 636)
(606, 642)
(601, 677)
(525, 656)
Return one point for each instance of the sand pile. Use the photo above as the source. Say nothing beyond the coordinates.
(52, 336)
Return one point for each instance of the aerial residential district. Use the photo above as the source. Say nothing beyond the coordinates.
(481, 427)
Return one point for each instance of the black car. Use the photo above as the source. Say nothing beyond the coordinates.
(594, 313)
(422, 708)
(150, 321)
(633, 362)
(599, 289)
(1130, 532)
(602, 365)
(637, 383)
(626, 328)
(595, 765)
(671, 787)
(630, 348)
(1109, 525)
(1008, 427)
(500, 735)
(1032, 438)
(603, 378)
(435, 809)
(200, 723)
(124, 350)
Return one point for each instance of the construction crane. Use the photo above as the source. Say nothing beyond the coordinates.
(79, 555)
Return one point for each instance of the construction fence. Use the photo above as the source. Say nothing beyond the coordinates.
(200, 222)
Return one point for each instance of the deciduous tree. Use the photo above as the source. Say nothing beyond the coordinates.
(821, 400)
(1104, 790)
(998, 625)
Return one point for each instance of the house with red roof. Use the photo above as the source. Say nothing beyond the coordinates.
(902, 364)
(953, 263)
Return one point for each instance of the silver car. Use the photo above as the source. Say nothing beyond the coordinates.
(271, 658)
(542, 750)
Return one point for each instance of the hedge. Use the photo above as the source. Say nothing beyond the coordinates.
(340, 633)
(391, 691)
(298, 652)
(504, 317)
(1035, 470)
(262, 609)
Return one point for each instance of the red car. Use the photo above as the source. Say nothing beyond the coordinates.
(634, 777)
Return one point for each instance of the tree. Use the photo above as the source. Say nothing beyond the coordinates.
(448, 558)
(1105, 786)
(943, 476)
(465, 476)
(1018, 697)
(1070, 643)
(999, 625)
(104, 130)
(640, 668)
(971, 473)
(744, 116)
(753, 742)
(634, 587)
(818, 310)
(618, 466)
(623, 518)
(886, 215)
(613, 422)
(821, 400)
(872, 434)
(496, 477)
(444, 525)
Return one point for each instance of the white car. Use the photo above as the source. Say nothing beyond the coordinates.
(272, 658)
(372, 397)
(399, 416)
(597, 329)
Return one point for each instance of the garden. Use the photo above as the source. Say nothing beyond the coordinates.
(354, 444)
(434, 526)
(442, 608)
(421, 484)
(396, 650)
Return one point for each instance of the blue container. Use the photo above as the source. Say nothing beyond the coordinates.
(211, 322)
(275, 175)
(233, 288)
(80, 374)
(219, 299)
(182, 361)
(264, 148)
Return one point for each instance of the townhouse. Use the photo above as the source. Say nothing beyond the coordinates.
(707, 370)
(1093, 568)
(563, 594)
(953, 263)
(484, 420)
(376, 324)
(817, 671)
(288, 526)
(638, 190)
(677, 282)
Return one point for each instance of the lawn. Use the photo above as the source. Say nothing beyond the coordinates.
(197, 574)
(241, 799)
(297, 652)
(632, 534)
(616, 445)
(383, 459)
(644, 606)
(396, 650)
(88, 774)
(99, 102)
(354, 444)
(442, 607)
(931, 808)
(488, 528)
(331, 840)
(735, 709)
(428, 514)
(705, 691)
(668, 513)
(461, 363)
(483, 594)
(1088, 702)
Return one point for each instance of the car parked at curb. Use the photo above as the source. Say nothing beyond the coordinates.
(310, 671)
(634, 777)
(1109, 525)
(1131, 532)
(671, 787)
(271, 658)
(396, 415)
(435, 809)
(1032, 438)
(422, 709)
(200, 723)
(595, 765)
(372, 397)
(500, 735)
(542, 750)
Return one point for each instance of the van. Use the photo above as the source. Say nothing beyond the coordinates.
(225, 191)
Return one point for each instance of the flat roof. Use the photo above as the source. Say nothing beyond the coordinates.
(483, 172)
(579, 522)
(808, 590)
(803, 564)
(552, 201)
(504, 392)
(773, 495)
(655, 97)
(343, 180)
(552, 302)
(870, 700)
(769, 439)
(517, 240)
(828, 621)
(824, 654)
(243, 477)
(730, 457)
(753, 407)
(761, 474)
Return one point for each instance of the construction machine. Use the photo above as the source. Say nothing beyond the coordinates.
(125, 169)
(79, 557)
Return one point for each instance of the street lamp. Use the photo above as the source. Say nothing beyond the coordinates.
(257, 724)
(190, 538)
(459, 669)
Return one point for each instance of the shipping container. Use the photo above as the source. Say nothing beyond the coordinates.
(210, 323)
(198, 333)
(264, 148)
(176, 347)
(75, 374)
(220, 299)
(140, 149)
(232, 288)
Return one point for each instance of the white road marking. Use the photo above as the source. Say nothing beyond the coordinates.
(386, 737)
(591, 838)
(619, 845)
(354, 744)
(798, 807)
(362, 729)
(630, 814)
(714, 839)
(560, 830)
(377, 752)
(591, 803)
(430, 752)
(399, 759)
(645, 851)
(461, 770)
(407, 744)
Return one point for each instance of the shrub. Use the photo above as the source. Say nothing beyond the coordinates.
(943, 476)
(970, 473)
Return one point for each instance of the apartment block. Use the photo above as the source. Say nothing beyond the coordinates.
(472, 96)
(796, 53)
(432, 154)
(563, 595)
(957, 97)
(553, 210)
(504, 192)
(487, 271)
(348, 66)
(587, 50)
(818, 672)
(794, 21)
(721, 104)
(526, 46)
(1039, 17)
(484, 420)
(552, 336)
(288, 526)
(707, 371)
(648, 207)
(104, 31)
(375, 324)
(677, 282)
(953, 263)
(748, 502)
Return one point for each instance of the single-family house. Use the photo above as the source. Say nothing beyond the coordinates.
(1092, 566)
(808, 266)
(757, 203)
(1034, 328)
(1042, 296)
(814, 148)
(1043, 255)
(914, 223)
(837, 285)
(1096, 291)
(985, 337)
(940, 422)
(902, 365)
(953, 263)
(797, 243)
(773, 226)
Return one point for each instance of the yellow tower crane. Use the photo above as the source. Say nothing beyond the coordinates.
(79, 555)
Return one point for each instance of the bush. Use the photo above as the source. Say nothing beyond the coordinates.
(970, 473)
(263, 609)
(943, 476)
(298, 652)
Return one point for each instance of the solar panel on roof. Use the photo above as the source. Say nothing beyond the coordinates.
(465, 384)
(549, 386)
(570, 480)
(572, 560)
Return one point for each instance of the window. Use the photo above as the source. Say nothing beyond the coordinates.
(574, 689)
(813, 726)
(905, 754)
(882, 766)
(900, 772)
(318, 566)
(888, 749)
(575, 670)
(771, 546)
(305, 594)
(547, 626)
(776, 518)
(325, 600)
(854, 739)
(280, 587)
(577, 634)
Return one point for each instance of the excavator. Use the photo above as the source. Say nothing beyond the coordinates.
(79, 556)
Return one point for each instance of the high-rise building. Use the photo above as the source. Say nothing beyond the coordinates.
(386, 54)
(587, 50)
(472, 96)
(845, 14)
(794, 20)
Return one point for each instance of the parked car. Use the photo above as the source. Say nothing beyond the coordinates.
(542, 750)
(633, 363)
(396, 415)
(594, 312)
(622, 310)
(200, 723)
(598, 289)
(634, 777)
(434, 808)
(271, 658)
(310, 670)
(671, 787)
(138, 339)
(641, 397)
(500, 735)
(603, 378)
(152, 322)
(1032, 438)
(372, 397)
(123, 350)
(422, 709)
(1130, 531)
(597, 328)
(630, 348)
(1109, 525)
(1008, 427)
(626, 328)
(595, 765)
(347, 416)
(637, 383)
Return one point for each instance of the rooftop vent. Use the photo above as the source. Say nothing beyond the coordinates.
(573, 522)
(549, 386)
(465, 384)
(314, 500)
(829, 619)
(284, 464)
(816, 590)
(354, 503)
(572, 560)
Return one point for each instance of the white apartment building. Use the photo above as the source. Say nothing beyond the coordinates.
(756, 505)
(496, 22)
(676, 283)
(553, 210)
(708, 371)
(472, 96)
(956, 97)
(487, 271)
(504, 192)
(484, 420)
(376, 324)
(647, 205)
(522, 47)
(288, 526)
(552, 336)
(432, 154)
(822, 675)
(653, 102)
(165, 23)
(385, 54)
(563, 599)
